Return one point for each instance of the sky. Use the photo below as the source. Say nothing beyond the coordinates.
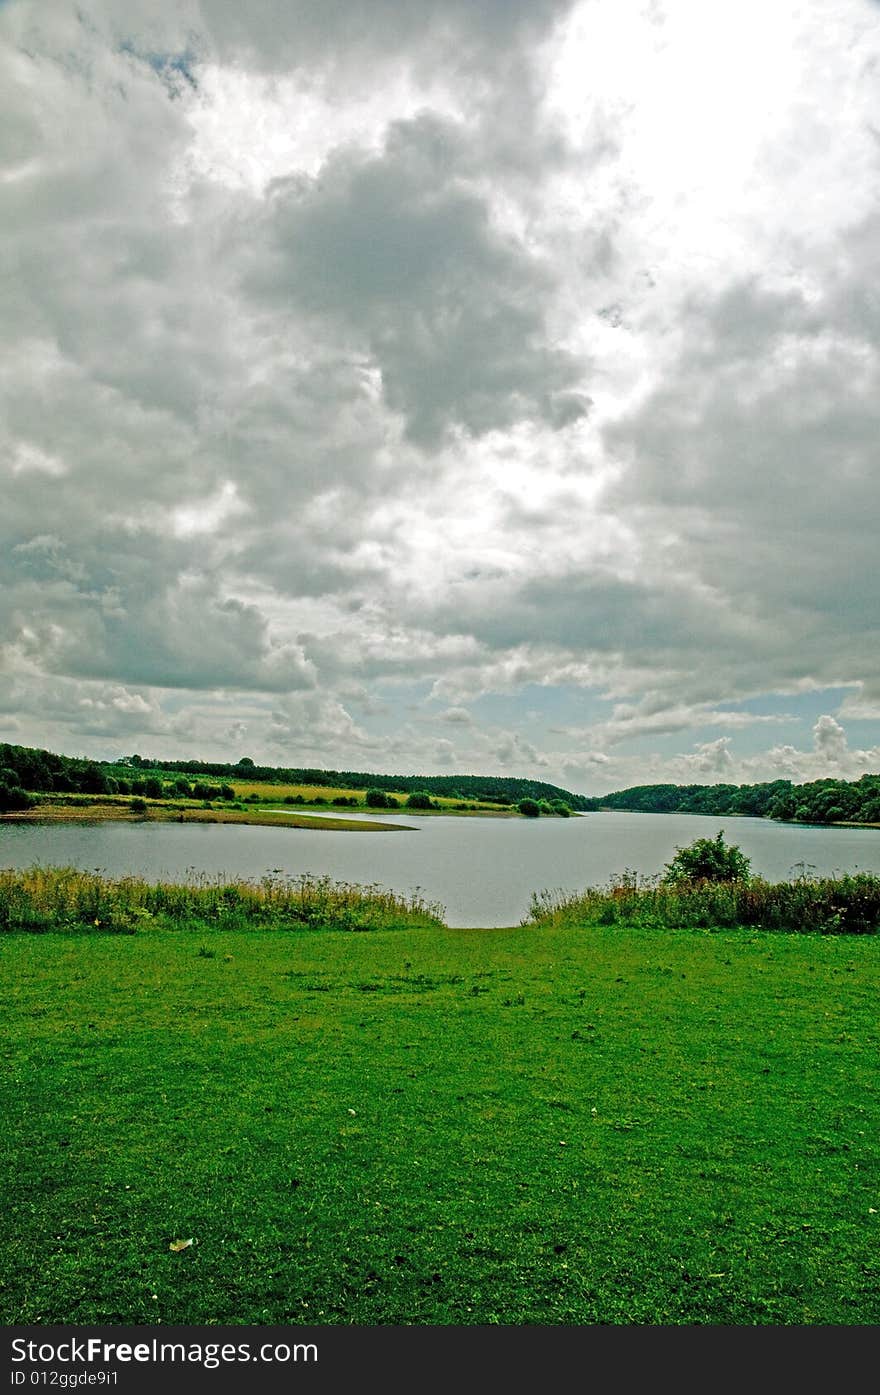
(435, 386)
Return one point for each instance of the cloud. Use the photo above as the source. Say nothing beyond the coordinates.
(714, 757)
(457, 716)
(369, 367)
(830, 739)
(513, 750)
(400, 257)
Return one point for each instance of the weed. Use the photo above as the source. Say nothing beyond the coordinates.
(847, 904)
(63, 898)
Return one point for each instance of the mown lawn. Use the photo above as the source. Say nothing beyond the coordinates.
(528, 1126)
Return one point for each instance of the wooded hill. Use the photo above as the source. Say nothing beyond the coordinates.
(499, 789)
(31, 769)
(818, 801)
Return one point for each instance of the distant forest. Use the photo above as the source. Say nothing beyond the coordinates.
(26, 768)
(819, 801)
(500, 789)
(29, 769)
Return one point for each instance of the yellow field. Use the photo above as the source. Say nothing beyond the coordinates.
(312, 792)
(309, 792)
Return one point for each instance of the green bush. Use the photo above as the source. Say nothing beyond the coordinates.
(378, 799)
(419, 800)
(13, 798)
(708, 860)
(529, 808)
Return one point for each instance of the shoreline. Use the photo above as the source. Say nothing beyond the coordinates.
(116, 813)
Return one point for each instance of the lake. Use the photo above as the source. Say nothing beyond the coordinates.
(482, 870)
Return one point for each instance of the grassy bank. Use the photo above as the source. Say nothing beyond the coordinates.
(844, 905)
(539, 1125)
(65, 899)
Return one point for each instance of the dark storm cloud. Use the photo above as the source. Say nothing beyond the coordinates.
(404, 262)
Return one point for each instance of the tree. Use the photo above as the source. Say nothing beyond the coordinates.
(529, 808)
(708, 860)
(92, 779)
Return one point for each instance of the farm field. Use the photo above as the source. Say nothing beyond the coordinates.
(551, 1125)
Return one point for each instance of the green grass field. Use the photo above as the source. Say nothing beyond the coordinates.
(431, 1126)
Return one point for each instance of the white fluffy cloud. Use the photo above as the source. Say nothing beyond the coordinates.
(470, 384)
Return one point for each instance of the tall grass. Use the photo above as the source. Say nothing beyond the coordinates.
(64, 898)
(826, 905)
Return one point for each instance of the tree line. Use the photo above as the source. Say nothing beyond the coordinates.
(499, 789)
(25, 770)
(817, 801)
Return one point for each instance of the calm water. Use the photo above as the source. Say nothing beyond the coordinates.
(483, 871)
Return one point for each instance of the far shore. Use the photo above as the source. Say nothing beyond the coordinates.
(122, 812)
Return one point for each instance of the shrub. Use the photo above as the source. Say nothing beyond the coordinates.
(419, 800)
(708, 860)
(378, 799)
(530, 808)
(13, 798)
(825, 905)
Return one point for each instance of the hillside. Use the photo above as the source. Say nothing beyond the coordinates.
(818, 801)
(44, 771)
(501, 789)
